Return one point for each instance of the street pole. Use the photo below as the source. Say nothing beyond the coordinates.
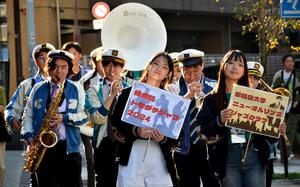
(31, 34)
(76, 34)
(58, 24)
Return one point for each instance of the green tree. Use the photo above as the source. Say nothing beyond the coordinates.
(263, 18)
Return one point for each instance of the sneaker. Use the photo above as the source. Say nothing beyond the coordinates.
(272, 156)
(291, 157)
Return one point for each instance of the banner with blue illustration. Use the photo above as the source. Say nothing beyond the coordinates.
(152, 107)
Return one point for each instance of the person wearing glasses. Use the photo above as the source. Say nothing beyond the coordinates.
(13, 111)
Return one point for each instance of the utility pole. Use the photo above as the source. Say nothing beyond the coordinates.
(76, 34)
(31, 35)
(58, 23)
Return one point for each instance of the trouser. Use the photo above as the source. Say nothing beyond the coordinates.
(194, 165)
(2, 163)
(250, 173)
(291, 130)
(105, 163)
(269, 173)
(86, 140)
(59, 168)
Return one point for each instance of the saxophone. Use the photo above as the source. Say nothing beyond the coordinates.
(46, 138)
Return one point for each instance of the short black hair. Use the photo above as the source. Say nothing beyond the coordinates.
(51, 64)
(70, 45)
(287, 56)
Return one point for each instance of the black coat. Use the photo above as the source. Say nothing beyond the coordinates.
(129, 132)
(208, 118)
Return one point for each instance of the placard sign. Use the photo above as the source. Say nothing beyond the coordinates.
(152, 107)
(257, 111)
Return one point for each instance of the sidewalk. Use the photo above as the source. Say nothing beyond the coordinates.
(294, 166)
(16, 178)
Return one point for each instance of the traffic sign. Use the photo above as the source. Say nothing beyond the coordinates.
(100, 10)
(98, 24)
(290, 8)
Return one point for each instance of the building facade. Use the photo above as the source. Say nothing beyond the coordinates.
(207, 25)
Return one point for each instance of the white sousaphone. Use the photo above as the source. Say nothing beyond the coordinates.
(137, 31)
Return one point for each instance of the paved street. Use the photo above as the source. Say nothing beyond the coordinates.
(16, 178)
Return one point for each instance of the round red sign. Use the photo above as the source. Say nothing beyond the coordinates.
(100, 10)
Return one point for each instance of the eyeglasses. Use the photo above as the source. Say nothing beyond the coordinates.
(41, 59)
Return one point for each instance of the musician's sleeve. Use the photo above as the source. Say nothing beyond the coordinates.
(16, 106)
(208, 118)
(97, 112)
(27, 118)
(174, 88)
(79, 117)
(125, 129)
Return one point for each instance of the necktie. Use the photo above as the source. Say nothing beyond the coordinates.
(54, 91)
(194, 128)
(109, 125)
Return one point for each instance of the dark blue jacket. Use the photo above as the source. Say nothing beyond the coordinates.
(208, 118)
(207, 85)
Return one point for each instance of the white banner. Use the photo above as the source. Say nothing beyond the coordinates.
(152, 107)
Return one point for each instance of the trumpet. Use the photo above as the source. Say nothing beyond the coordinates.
(280, 91)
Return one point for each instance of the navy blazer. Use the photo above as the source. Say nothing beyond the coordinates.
(208, 118)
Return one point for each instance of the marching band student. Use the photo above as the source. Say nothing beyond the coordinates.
(255, 72)
(61, 164)
(92, 77)
(227, 155)
(192, 84)
(177, 66)
(14, 110)
(158, 168)
(78, 72)
(99, 99)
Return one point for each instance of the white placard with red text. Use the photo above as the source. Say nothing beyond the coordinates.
(257, 111)
(152, 107)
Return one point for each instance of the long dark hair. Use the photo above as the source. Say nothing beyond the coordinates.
(165, 81)
(220, 88)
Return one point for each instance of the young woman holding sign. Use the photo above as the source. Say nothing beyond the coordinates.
(156, 168)
(228, 157)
